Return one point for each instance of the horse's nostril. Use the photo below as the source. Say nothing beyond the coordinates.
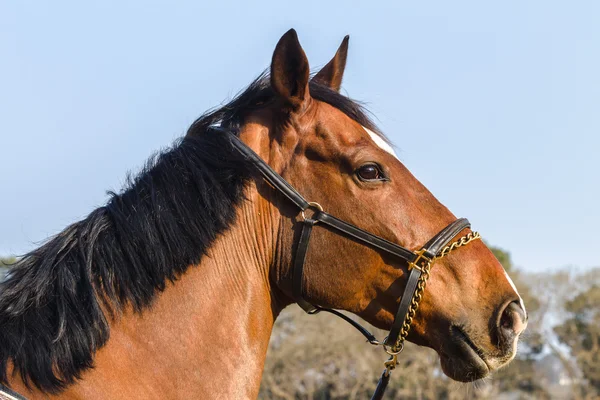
(512, 320)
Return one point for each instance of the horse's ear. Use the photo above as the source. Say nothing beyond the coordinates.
(290, 71)
(333, 72)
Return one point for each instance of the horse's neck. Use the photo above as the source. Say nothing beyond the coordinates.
(206, 335)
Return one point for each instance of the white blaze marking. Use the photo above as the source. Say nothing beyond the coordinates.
(380, 142)
(516, 291)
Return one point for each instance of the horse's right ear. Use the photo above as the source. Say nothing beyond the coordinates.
(290, 71)
(332, 73)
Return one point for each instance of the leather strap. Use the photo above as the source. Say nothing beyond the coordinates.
(442, 238)
(266, 171)
(407, 296)
(298, 272)
(298, 276)
(368, 335)
(381, 385)
(364, 236)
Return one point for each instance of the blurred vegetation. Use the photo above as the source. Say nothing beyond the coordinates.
(581, 332)
(321, 357)
(5, 264)
(503, 256)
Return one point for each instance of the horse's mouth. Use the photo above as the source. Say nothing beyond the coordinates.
(461, 359)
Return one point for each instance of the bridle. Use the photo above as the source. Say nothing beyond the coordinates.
(419, 262)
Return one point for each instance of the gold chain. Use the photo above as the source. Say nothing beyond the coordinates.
(425, 271)
(463, 241)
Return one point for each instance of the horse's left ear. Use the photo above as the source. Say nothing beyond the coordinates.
(290, 71)
(333, 72)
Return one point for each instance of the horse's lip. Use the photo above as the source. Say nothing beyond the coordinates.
(460, 338)
(466, 361)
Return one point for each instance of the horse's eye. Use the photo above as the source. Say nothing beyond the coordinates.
(370, 172)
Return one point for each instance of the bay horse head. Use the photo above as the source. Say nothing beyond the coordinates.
(178, 279)
(471, 313)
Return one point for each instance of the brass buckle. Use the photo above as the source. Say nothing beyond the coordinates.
(421, 261)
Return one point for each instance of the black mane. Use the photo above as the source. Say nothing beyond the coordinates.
(51, 305)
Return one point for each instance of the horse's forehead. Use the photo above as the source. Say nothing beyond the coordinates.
(336, 126)
(349, 131)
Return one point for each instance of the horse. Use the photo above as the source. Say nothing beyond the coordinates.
(170, 290)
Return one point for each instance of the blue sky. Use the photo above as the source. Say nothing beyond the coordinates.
(494, 107)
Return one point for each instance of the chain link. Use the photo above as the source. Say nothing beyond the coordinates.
(425, 272)
(463, 241)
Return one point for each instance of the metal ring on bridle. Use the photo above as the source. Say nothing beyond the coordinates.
(311, 204)
(391, 350)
